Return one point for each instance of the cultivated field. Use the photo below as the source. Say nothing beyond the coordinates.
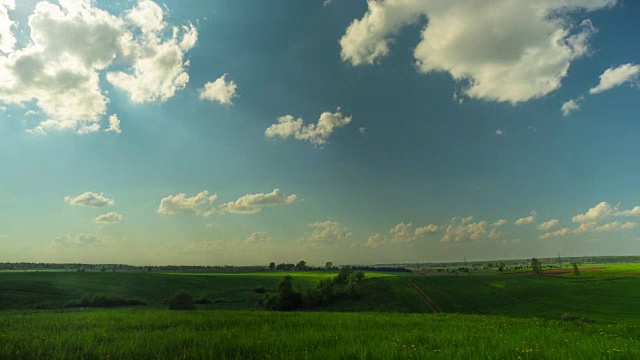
(482, 315)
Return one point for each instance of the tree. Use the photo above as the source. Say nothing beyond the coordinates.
(272, 266)
(182, 300)
(302, 265)
(536, 266)
(328, 265)
(343, 275)
(576, 271)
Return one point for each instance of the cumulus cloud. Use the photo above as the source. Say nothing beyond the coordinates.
(548, 224)
(499, 222)
(317, 134)
(402, 233)
(7, 39)
(109, 218)
(429, 229)
(500, 132)
(200, 204)
(527, 220)
(73, 44)
(591, 227)
(635, 211)
(79, 240)
(114, 124)
(220, 90)
(571, 106)
(504, 50)
(373, 241)
(90, 199)
(617, 76)
(465, 230)
(206, 246)
(327, 233)
(253, 203)
(557, 233)
(259, 237)
(600, 211)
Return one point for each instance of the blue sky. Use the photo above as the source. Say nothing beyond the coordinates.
(243, 132)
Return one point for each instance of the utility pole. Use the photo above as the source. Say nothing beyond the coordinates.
(559, 261)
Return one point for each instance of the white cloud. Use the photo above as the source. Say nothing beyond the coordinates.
(571, 106)
(505, 50)
(200, 204)
(635, 211)
(591, 227)
(109, 218)
(557, 233)
(528, 219)
(373, 241)
(318, 134)
(362, 130)
(617, 76)
(600, 211)
(326, 3)
(79, 240)
(464, 230)
(402, 233)
(253, 203)
(327, 233)
(500, 132)
(206, 246)
(429, 229)
(549, 224)
(219, 90)
(7, 39)
(73, 44)
(259, 237)
(89, 199)
(500, 222)
(114, 124)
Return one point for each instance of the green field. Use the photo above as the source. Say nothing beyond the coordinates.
(482, 315)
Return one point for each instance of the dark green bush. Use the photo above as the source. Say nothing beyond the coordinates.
(203, 300)
(182, 300)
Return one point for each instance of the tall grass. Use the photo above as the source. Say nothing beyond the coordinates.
(161, 334)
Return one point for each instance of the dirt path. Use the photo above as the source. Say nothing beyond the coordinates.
(424, 297)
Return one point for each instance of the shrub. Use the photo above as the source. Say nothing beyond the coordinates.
(182, 300)
(203, 300)
(221, 300)
(260, 290)
(568, 317)
(104, 300)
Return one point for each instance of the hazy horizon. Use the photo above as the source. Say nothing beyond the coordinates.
(240, 132)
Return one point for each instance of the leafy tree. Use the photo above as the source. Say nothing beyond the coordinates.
(501, 267)
(343, 275)
(287, 298)
(328, 265)
(302, 265)
(182, 300)
(536, 266)
(359, 275)
(272, 266)
(576, 271)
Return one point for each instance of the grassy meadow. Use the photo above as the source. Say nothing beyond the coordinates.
(483, 315)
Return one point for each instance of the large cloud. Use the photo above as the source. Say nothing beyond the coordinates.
(7, 39)
(259, 237)
(617, 76)
(200, 204)
(74, 43)
(79, 240)
(506, 50)
(600, 211)
(253, 203)
(90, 199)
(317, 134)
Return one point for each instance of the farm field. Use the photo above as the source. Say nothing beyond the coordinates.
(203, 334)
(482, 315)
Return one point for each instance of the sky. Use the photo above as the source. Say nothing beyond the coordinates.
(236, 132)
